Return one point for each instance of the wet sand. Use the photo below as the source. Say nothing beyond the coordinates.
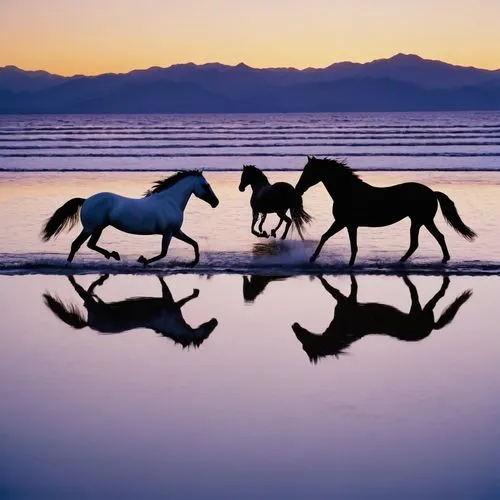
(252, 409)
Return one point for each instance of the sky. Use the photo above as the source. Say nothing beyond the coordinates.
(97, 36)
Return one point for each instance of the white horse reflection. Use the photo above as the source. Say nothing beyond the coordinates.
(162, 314)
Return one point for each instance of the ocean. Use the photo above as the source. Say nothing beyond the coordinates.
(370, 141)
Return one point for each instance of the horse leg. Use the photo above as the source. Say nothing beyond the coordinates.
(255, 216)
(288, 223)
(334, 292)
(184, 237)
(165, 242)
(180, 303)
(83, 294)
(431, 227)
(415, 308)
(414, 230)
(353, 238)
(262, 219)
(166, 295)
(92, 244)
(273, 231)
(353, 295)
(77, 243)
(439, 294)
(97, 282)
(334, 228)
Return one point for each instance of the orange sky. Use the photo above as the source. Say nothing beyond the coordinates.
(96, 36)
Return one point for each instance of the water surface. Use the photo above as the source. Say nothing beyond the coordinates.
(247, 414)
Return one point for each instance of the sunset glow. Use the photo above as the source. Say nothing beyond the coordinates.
(95, 36)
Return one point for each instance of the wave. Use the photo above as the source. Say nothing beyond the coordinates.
(283, 137)
(249, 131)
(251, 127)
(248, 145)
(279, 258)
(333, 154)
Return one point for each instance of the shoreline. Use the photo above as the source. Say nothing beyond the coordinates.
(238, 170)
(176, 268)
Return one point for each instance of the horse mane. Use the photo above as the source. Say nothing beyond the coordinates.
(341, 167)
(167, 183)
(256, 171)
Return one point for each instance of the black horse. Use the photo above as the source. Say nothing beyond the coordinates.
(162, 314)
(270, 198)
(353, 320)
(357, 203)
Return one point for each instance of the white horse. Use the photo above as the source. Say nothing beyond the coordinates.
(160, 211)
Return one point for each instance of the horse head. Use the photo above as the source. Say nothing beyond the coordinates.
(246, 177)
(311, 175)
(203, 191)
(318, 346)
(325, 169)
(193, 336)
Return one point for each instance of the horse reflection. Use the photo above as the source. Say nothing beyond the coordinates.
(353, 320)
(254, 285)
(161, 314)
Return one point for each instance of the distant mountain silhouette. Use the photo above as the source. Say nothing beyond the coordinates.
(400, 83)
(15, 79)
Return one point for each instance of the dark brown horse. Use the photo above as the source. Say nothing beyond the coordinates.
(270, 198)
(357, 203)
(161, 314)
(353, 320)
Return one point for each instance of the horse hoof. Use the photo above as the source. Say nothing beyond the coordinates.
(196, 292)
(192, 263)
(312, 258)
(115, 255)
(273, 233)
(264, 234)
(142, 260)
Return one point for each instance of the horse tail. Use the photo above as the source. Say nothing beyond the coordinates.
(299, 216)
(69, 314)
(64, 217)
(451, 311)
(452, 218)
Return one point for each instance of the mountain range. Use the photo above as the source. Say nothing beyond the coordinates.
(400, 83)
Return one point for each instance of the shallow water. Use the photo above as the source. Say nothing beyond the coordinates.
(247, 414)
(27, 199)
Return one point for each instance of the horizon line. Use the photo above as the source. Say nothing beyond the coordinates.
(214, 63)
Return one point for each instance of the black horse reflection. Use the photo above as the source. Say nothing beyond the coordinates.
(255, 284)
(353, 320)
(161, 314)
